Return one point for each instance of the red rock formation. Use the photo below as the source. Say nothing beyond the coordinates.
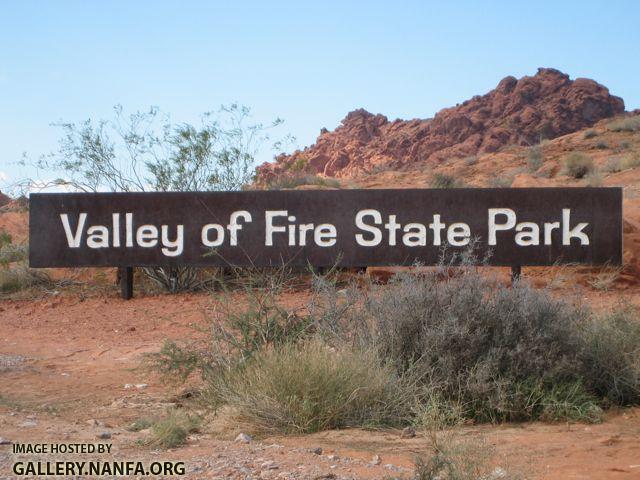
(519, 112)
(4, 199)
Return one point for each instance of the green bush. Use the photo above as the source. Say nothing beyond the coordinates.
(172, 430)
(578, 165)
(311, 387)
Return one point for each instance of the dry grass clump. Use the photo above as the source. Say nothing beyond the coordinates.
(311, 387)
(535, 158)
(459, 458)
(444, 180)
(172, 430)
(605, 278)
(15, 275)
(627, 124)
(293, 181)
(631, 160)
(578, 165)
(594, 178)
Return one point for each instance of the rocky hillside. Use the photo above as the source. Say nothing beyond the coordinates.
(516, 112)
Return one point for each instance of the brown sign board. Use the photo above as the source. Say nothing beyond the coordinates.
(350, 228)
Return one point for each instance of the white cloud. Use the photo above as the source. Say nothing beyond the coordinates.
(3, 177)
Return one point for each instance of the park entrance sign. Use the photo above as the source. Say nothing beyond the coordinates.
(348, 228)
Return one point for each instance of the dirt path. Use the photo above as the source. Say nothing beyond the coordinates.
(64, 364)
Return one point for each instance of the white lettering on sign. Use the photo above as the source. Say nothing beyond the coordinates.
(528, 233)
(145, 236)
(324, 235)
(284, 229)
(415, 234)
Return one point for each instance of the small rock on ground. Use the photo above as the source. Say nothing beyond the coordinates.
(243, 438)
(408, 432)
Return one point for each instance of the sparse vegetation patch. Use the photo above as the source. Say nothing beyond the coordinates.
(427, 350)
(627, 124)
(578, 165)
(443, 180)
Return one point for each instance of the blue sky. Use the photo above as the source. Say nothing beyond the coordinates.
(307, 62)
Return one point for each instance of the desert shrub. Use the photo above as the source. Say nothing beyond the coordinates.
(631, 160)
(578, 165)
(443, 180)
(431, 349)
(535, 158)
(146, 151)
(293, 181)
(611, 356)
(613, 165)
(590, 134)
(627, 124)
(459, 458)
(15, 274)
(594, 178)
(5, 238)
(176, 362)
(172, 430)
(299, 165)
(568, 401)
(237, 330)
(20, 277)
(501, 181)
(140, 424)
(9, 252)
(310, 387)
(470, 160)
(489, 352)
(602, 145)
(605, 278)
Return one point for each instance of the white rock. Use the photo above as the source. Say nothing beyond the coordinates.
(269, 465)
(498, 473)
(29, 424)
(141, 386)
(243, 438)
(376, 460)
(128, 386)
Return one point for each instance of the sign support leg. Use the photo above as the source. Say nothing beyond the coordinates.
(126, 282)
(516, 271)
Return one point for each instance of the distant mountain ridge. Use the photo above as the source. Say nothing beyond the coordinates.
(517, 112)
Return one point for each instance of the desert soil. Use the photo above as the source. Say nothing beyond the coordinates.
(65, 360)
